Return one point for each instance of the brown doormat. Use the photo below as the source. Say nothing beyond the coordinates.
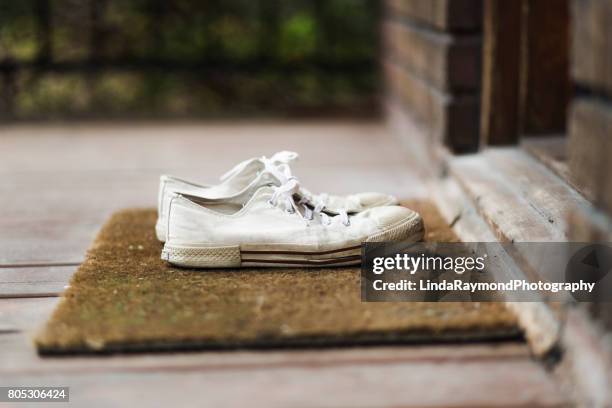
(125, 298)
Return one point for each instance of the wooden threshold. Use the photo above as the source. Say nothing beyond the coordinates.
(539, 323)
(586, 223)
(505, 194)
(522, 198)
(550, 151)
(518, 196)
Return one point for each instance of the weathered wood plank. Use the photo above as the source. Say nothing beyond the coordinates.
(353, 385)
(45, 241)
(445, 61)
(552, 198)
(204, 149)
(27, 314)
(355, 377)
(34, 281)
(590, 226)
(453, 120)
(590, 149)
(20, 358)
(552, 151)
(445, 15)
(521, 199)
(539, 324)
(592, 43)
(23, 316)
(544, 78)
(500, 72)
(586, 367)
(508, 214)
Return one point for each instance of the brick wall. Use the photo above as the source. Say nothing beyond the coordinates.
(432, 60)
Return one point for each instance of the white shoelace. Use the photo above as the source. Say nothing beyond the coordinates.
(278, 167)
(285, 193)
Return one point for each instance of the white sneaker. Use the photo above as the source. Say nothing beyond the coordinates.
(238, 184)
(271, 229)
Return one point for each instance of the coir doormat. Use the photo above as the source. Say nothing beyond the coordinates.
(125, 298)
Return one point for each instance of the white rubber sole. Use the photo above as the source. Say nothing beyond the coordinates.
(234, 257)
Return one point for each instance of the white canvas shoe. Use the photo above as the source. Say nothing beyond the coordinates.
(272, 229)
(238, 184)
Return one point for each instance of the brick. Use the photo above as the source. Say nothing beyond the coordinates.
(448, 62)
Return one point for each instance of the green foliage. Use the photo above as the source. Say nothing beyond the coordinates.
(298, 37)
(186, 57)
(17, 30)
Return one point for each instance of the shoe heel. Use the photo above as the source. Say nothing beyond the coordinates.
(160, 232)
(202, 257)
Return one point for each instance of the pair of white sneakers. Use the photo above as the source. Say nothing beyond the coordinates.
(260, 215)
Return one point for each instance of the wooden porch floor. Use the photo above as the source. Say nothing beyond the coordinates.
(59, 183)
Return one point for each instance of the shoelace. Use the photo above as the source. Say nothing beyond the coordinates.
(278, 166)
(285, 193)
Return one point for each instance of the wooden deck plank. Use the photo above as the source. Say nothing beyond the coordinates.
(45, 242)
(20, 358)
(375, 376)
(207, 146)
(520, 198)
(34, 281)
(25, 314)
(390, 375)
(510, 215)
(83, 195)
(423, 384)
(551, 196)
(19, 318)
(72, 177)
(551, 151)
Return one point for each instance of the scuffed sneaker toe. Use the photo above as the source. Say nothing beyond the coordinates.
(396, 224)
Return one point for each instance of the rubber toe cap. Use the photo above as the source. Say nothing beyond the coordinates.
(396, 223)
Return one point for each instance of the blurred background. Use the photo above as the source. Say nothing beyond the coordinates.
(497, 111)
(63, 59)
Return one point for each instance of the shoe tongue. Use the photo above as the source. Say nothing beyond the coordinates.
(284, 157)
(261, 194)
(245, 170)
